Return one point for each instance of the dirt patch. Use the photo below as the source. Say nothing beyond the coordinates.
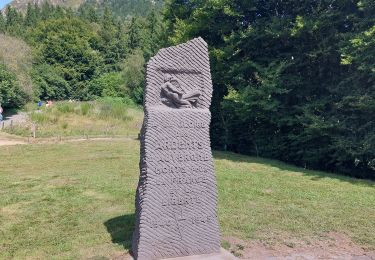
(7, 139)
(332, 246)
(10, 142)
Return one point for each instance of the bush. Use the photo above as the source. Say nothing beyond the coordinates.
(65, 107)
(39, 118)
(114, 108)
(108, 85)
(134, 75)
(85, 108)
(49, 83)
(11, 94)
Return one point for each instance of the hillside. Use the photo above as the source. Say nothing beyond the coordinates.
(125, 8)
(17, 56)
(121, 8)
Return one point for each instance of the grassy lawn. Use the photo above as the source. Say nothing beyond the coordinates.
(76, 200)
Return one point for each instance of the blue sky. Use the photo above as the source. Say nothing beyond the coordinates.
(4, 2)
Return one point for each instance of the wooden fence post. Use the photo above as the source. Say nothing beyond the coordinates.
(34, 130)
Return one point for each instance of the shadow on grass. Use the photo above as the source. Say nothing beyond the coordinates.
(315, 175)
(121, 229)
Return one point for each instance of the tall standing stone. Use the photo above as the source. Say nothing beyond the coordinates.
(176, 196)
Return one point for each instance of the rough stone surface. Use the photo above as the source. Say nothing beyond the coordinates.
(177, 196)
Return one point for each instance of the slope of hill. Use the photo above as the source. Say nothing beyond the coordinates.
(121, 8)
(124, 8)
(17, 56)
(21, 5)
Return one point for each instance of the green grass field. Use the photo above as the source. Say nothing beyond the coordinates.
(76, 200)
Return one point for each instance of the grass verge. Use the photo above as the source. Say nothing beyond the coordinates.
(104, 117)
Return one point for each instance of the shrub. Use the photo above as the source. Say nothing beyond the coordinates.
(11, 94)
(113, 108)
(134, 75)
(49, 83)
(85, 108)
(39, 118)
(65, 107)
(108, 85)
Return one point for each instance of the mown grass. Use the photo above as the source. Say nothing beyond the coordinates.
(104, 117)
(76, 200)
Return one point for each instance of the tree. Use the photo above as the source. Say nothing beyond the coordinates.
(31, 17)
(14, 21)
(2, 23)
(11, 94)
(134, 34)
(49, 83)
(288, 84)
(134, 75)
(68, 44)
(155, 31)
(112, 41)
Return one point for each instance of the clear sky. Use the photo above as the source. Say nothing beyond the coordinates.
(4, 2)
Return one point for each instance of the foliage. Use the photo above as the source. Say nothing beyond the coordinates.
(16, 54)
(110, 84)
(84, 54)
(134, 75)
(49, 83)
(292, 81)
(126, 8)
(69, 45)
(11, 94)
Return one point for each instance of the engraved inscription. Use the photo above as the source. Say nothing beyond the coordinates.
(183, 124)
(172, 222)
(179, 144)
(172, 169)
(184, 157)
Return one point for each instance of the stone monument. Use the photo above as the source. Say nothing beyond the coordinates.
(177, 195)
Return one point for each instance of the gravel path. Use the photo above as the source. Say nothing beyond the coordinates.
(16, 119)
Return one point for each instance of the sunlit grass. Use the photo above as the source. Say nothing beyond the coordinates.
(76, 200)
(105, 117)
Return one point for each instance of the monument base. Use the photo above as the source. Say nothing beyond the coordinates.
(223, 255)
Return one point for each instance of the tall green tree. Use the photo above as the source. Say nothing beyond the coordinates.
(68, 44)
(292, 80)
(14, 22)
(32, 15)
(2, 23)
